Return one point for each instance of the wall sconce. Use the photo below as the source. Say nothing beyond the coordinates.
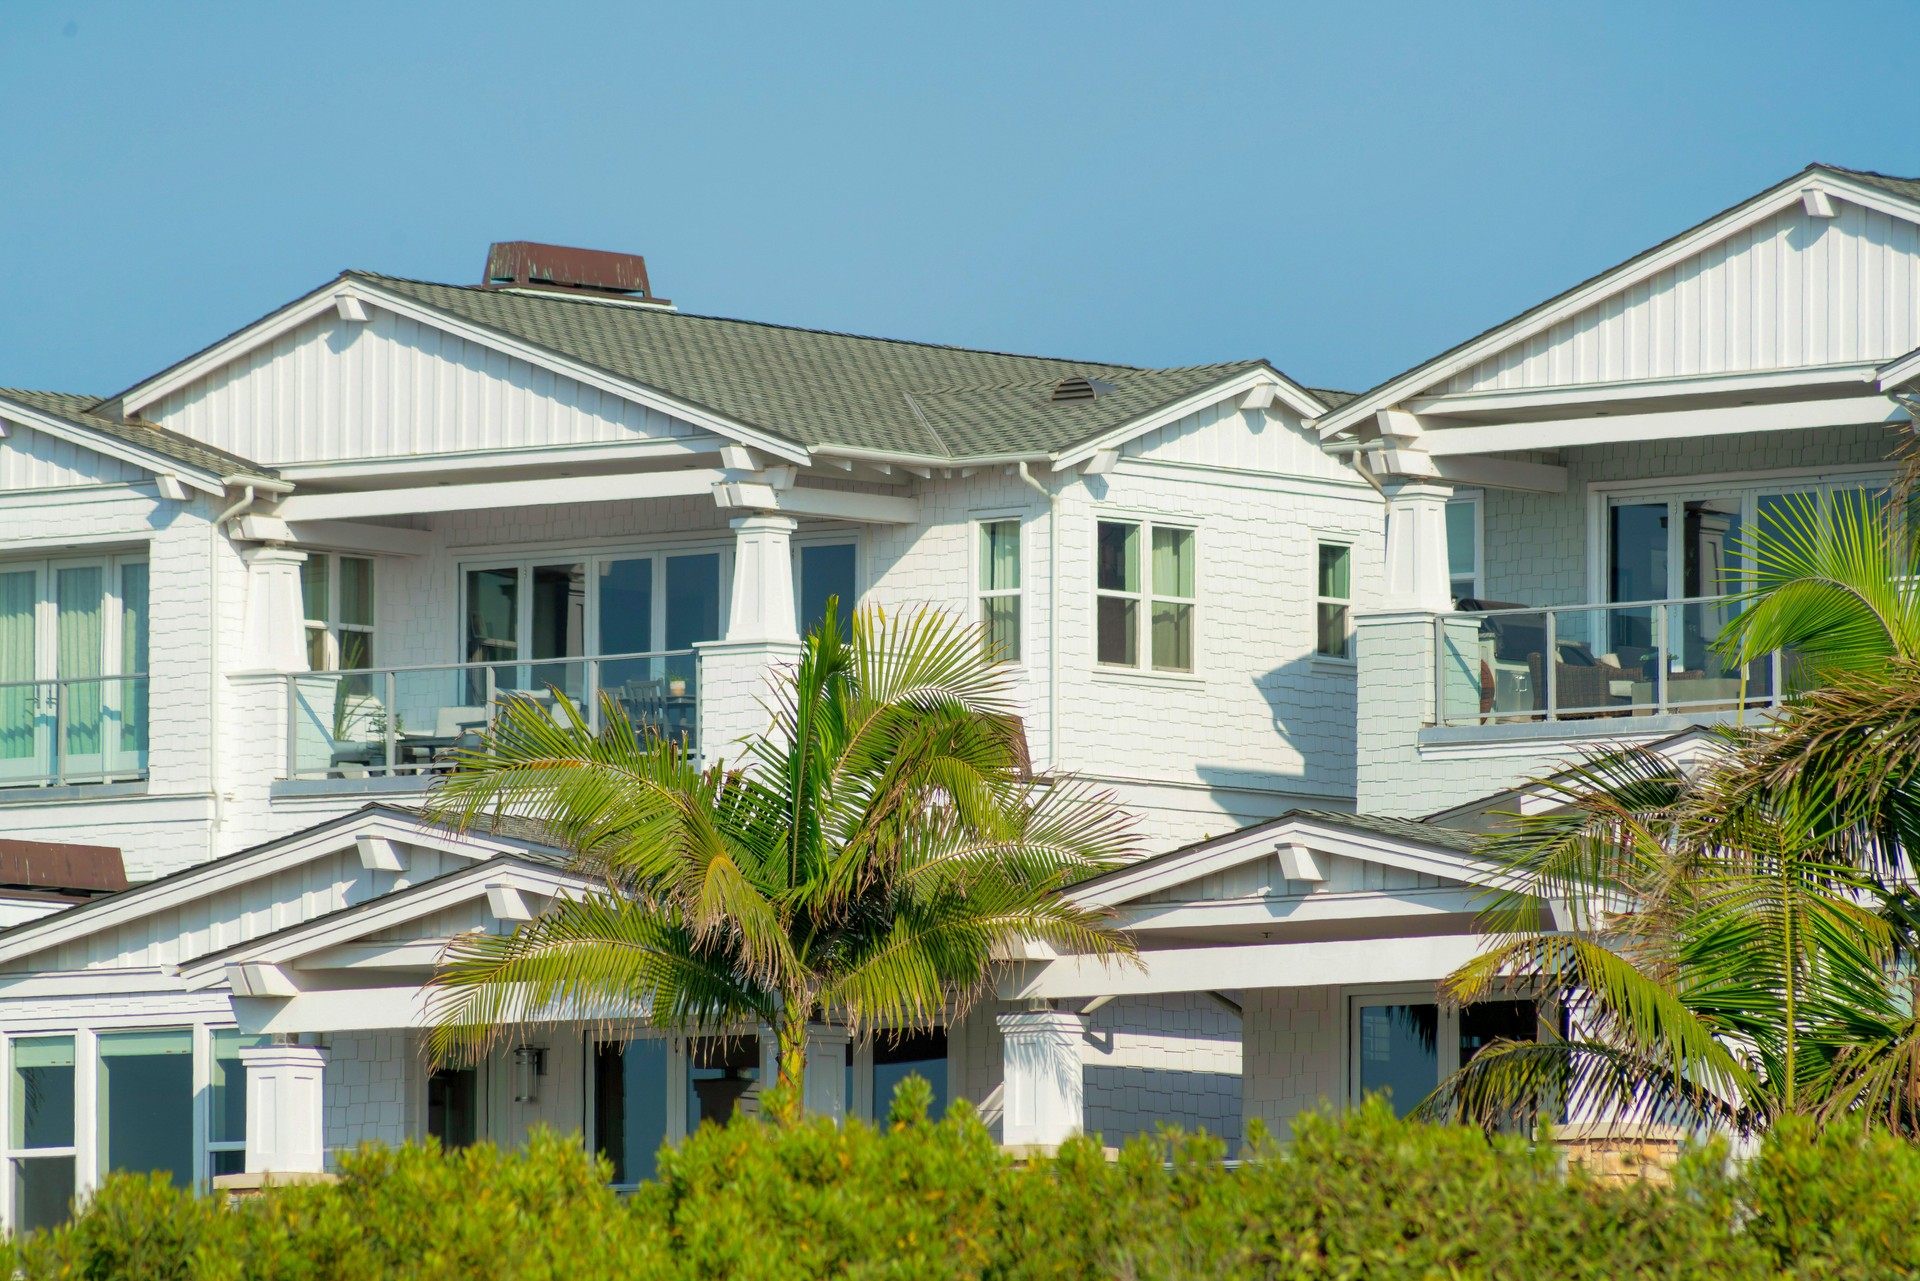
(529, 1065)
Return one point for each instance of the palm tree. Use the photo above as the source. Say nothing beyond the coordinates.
(1829, 581)
(1725, 964)
(873, 858)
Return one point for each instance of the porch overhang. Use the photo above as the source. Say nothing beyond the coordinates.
(1419, 959)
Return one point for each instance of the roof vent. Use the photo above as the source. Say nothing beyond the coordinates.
(1079, 389)
(525, 264)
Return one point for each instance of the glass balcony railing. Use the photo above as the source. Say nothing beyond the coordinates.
(77, 729)
(389, 721)
(1578, 662)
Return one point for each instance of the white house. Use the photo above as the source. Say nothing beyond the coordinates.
(247, 605)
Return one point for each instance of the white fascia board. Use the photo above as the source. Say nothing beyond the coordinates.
(1897, 373)
(322, 299)
(1409, 959)
(290, 852)
(832, 504)
(1294, 397)
(334, 535)
(1467, 403)
(639, 449)
(1678, 424)
(1266, 842)
(71, 983)
(487, 495)
(112, 447)
(1764, 205)
(336, 1010)
(1284, 911)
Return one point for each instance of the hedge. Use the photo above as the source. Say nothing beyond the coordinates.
(1361, 1194)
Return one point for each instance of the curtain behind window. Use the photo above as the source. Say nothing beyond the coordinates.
(17, 597)
(77, 653)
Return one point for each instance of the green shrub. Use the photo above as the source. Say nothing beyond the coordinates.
(1357, 1195)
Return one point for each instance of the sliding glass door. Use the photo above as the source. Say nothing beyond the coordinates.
(73, 661)
(537, 619)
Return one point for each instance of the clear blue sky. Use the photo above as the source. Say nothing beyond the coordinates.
(1342, 188)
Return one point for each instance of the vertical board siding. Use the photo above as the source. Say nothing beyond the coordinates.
(390, 388)
(1240, 439)
(34, 460)
(1790, 290)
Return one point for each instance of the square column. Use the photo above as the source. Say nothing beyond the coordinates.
(761, 636)
(828, 1052)
(1416, 562)
(285, 1109)
(1044, 1083)
(275, 639)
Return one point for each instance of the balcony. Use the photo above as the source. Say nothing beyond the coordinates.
(399, 722)
(1632, 659)
(71, 730)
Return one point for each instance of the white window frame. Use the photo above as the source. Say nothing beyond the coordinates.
(592, 559)
(85, 1148)
(330, 627)
(976, 533)
(115, 761)
(1345, 658)
(1747, 485)
(1145, 597)
(1476, 499)
(836, 538)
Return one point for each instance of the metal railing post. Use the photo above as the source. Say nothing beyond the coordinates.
(493, 694)
(59, 747)
(1552, 661)
(590, 691)
(392, 719)
(1779, 670)
(1663, 630)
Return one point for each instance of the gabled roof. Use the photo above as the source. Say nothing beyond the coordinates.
(111, 911)
(1385, 394)
(1431, 847)
(813, 388)
(151, 445)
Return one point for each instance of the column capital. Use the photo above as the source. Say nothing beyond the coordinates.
(286, 1109)
(270, 554)
(1043, 1081)
(1416, 576)
(763, 522)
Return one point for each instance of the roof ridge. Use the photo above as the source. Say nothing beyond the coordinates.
(1143, 370)
(737, 320)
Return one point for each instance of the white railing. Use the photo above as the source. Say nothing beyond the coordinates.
(388, 721)
(73, 729)
(1635, 658)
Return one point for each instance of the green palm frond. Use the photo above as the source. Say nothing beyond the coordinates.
(872, 855)
(1520, 1082)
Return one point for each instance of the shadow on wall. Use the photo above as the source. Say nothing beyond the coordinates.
(1310, 707)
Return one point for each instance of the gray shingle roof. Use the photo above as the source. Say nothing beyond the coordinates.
(817, 387)
(184, 450)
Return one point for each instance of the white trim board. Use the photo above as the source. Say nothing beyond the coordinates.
(1415, 959)
(1295, 397)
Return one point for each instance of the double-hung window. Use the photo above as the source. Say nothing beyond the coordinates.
(40, 1131)
(1333, 602)
(998, 588)
(73, 669)
(336, 594)
(1144, 609)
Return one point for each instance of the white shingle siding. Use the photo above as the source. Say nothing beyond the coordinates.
(366, 1090)
(1162, 1060)
(1292, 1054)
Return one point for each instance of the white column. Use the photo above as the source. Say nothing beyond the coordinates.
(761, 636)
(1043, 1084)
(763, 579)
(285, 1109)
(826, 1081)
(276, 633)
(1416, 568)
